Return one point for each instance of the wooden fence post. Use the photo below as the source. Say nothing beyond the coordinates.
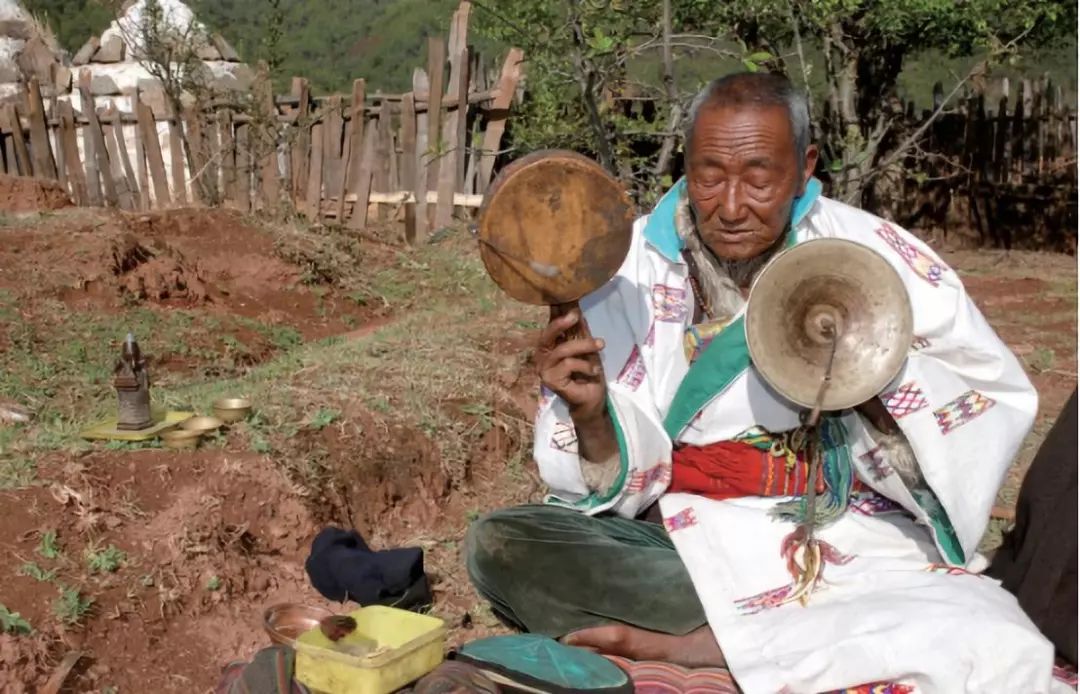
(22, 154)
(452, 169)
(409, 172)
(384, 150)
(177, 158)
(198, 156)
(302, 141)
(333, 123)
(44, 164)
(125, 196)
(97, 137)
(421, 85)
(244, 166)
(228, 156)
(125, 160)
(73, 168)
(354, 148)
(358, 220)
(152, 150)
(436, 65)
(508, 81)
(313, 207)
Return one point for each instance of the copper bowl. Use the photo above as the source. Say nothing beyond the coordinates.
(181, 439)
(284, 623)
(230, 410)
(203, 425)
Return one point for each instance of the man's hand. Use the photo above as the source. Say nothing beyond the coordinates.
(572, 369)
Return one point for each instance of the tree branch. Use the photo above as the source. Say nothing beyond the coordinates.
(977, 69)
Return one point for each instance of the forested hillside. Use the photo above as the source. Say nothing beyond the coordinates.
(330, 43)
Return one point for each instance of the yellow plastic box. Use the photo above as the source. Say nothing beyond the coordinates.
(415, 643)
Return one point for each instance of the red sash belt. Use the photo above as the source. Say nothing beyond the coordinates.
(729, 470)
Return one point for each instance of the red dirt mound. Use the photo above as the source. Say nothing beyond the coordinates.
(26, 194)
(377, 474)
(103, 260)
(210, 540)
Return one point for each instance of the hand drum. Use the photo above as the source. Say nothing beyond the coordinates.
(554, 227)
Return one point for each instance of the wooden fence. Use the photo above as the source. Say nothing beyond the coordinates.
(1006, 169)
(428, 151)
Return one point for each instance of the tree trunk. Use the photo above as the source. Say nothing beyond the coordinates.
(667, 149)
(587, 82)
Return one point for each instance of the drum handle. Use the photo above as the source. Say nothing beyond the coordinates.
(577, 330)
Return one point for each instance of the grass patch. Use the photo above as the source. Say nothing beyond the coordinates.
(32, 570)
(16, 472)
(104, 560)
(323, 418)
(13, 622)
(49, 546)
(72, 607)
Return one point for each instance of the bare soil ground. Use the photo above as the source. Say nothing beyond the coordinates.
(393, 391)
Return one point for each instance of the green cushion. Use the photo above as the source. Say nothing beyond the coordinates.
(536, 662)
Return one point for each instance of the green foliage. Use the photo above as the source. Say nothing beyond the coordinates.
(106, 560)
(324, 417)
(48, 546)
(73, 21)
(72, 607)
(331, 43)
(32, 570)
(16, 472)
(12, 622)
(583, 59)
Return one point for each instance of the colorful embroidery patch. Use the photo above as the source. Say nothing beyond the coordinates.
(1066, 673)
(685, 518)
(633, 372)
(565, 438)
(874, 460)
(546, 396)
(641, 480)
(962, 410)
(763, 601)
(878, 688)
(926, 267)
(874, 505)
(919, 343)
(669, 303)
(698, 337)
(949, 570)
(905, 400)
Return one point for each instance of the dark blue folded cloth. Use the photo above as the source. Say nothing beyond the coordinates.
(342, 567)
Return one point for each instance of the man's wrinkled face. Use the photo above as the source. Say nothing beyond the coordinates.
(743, 176)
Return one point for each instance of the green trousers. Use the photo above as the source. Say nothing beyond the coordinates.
(551, 571)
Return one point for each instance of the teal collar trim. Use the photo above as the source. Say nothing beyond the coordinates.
(660, 230)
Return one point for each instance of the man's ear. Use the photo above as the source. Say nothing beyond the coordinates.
(809, 166)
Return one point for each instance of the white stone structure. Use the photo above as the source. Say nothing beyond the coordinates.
(116, 73)
(28, 49)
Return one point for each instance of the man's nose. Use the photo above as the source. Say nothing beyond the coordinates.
(732, 203)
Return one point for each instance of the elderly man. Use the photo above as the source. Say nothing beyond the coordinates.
(665, 406)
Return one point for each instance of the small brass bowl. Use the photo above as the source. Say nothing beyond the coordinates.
(181, 439)
(203, 425)
(285, 622)
(231, 410)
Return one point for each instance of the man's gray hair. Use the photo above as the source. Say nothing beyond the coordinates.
(760, 89)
